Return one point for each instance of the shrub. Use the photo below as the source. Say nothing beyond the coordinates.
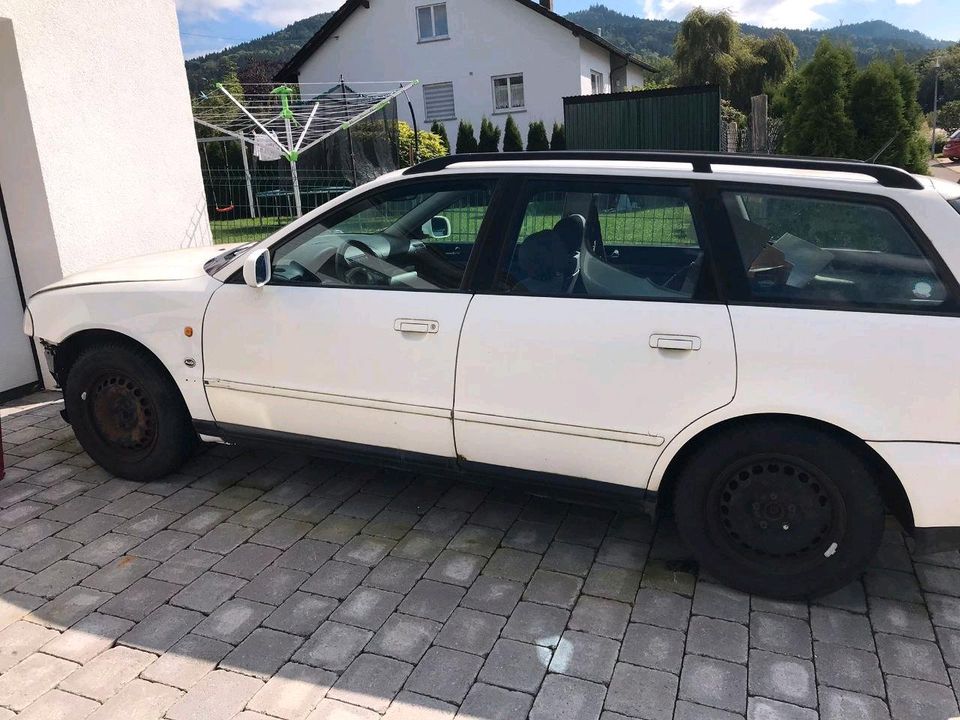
(431, 145)
(466, 139)
(558, 141)
(440, 130)
(537, 140)
(489, 137)
(512, 140)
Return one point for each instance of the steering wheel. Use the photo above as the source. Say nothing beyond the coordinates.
(346, 271)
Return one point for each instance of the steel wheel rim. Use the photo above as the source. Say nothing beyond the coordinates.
(122, 413)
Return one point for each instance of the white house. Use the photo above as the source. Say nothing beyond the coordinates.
(98, 156)
(473, 58)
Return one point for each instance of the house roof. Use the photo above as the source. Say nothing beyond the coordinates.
(290, 71)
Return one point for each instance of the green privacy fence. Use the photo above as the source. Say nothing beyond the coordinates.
(670, 119)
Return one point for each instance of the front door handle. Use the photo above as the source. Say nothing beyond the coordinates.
(683, 343)
(420, 327)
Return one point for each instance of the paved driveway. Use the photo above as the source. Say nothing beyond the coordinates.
(255, 585)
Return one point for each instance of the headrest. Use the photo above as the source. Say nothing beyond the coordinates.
(544, 255)
(571, 230)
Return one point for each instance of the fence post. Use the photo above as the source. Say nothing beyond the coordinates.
(759, 133)
(246, 175)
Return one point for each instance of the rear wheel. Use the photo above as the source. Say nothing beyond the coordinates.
(785, 511)
(127, 413)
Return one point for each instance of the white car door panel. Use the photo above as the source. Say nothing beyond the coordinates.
(335, 363)
(573, 387)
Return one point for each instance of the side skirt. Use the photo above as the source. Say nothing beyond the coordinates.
(570, 489)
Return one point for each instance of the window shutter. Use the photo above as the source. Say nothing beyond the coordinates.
(438, 102)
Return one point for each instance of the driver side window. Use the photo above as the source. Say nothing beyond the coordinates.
(414, 237)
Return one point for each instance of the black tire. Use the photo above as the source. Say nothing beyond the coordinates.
(127, 413)
(782, 510)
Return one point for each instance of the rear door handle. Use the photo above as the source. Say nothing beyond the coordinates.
(683, 343)
(421, 327)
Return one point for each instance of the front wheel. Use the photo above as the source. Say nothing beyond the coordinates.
(784, 511)
(127, 413)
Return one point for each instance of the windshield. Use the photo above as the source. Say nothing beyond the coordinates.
(215, 265)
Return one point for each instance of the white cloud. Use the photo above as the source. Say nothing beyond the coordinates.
(908, 2)
(277, 13)
(769, 13)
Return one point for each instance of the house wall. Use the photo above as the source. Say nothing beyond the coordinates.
(593, 57)
(17, 367)
(487, 39)
(98, 158)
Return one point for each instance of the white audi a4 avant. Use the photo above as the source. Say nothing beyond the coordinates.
(767, 347)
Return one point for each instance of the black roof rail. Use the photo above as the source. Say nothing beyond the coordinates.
(702, 162)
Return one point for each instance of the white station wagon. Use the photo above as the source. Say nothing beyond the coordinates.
(768, 347)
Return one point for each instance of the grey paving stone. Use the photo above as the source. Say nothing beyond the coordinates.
(568, 698)
(494, 595)
(21, 639)
(18, 514)
(367, 608)
(335, 579)
(691, 711)
(185, 567)
(312, 509)
(909, 657)
(766, 709)
(516, 665)
(273, 585)
(185, 500)
(552, 588)
(900, 618)
(105, 549)
(780, 677)
(568, 558)
(371, 681)
(333, 646)
(510, 564)
(396, 574)
(53, 580)
(669, 575)
(31, 678)
(365, 550)
(432, 600)
(777, 633)
(471, 631)
(335, 710)
(445, 674)
(530, 536)
(456, 568)
(207, 592)
(536, 624)
(67, 608)
(201, 520)
(301, 613)
(949, 642)
(600, 617)
(61, 492)
(718, 639)
(218, 696)
(413, 706)
(363, 505)
(337, 529)
(892, 585)
(476, 540)
(247, 561)
(848, 669)
(140, 599)
(404, 637)
(293, 692)
(258, 514)
(717, 601)
(844, 705)
(87, 638)
(850, 597)
(488, 702)
(187, 662)
(138, 700)
(841, 628)
(11, 577)
(74, 510)
(585, 656)
(131, 504)
(44, 553)
(161, 629)
(224, 538)
(102, 677)
(497, 515)
(59, 704)
(442, 521)
(164, 545)
(944, 610)
(715, 683)
(653, 647)
(933, 578)
(612, 583)
(234, 620)
(623, 553)
(262, 653)
(664, 609)
(234, 498)
(419, 545)
(917, 699)
(641, 693)
(307, 555)
(282, 533)
(120, 574)
(90, 528)
(391, 524)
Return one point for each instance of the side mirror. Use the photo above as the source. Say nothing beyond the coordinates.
(438, 228)
(256, 268)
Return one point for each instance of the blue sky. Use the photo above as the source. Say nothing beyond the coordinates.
(210, 25)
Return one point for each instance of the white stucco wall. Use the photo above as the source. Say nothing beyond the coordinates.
(593, 57)
(487, 39)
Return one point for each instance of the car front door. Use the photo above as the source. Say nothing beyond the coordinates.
(354, 339)
(603, 337)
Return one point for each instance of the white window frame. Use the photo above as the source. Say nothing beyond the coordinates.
(510, 106)
(597, 81)
(433, 37)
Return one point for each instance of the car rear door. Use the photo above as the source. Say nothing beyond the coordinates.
(589, 354)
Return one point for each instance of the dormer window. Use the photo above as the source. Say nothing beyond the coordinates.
(432, 22)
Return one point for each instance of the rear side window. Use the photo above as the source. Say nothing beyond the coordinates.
(815, 251)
